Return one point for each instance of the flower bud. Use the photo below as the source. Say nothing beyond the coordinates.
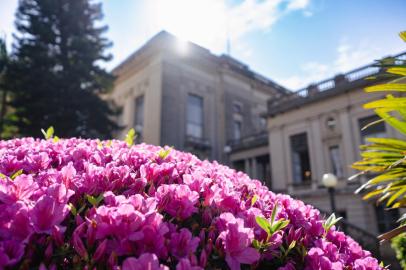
(203, 259)
(101, 249)
(79, 246)
(49, 251)
(202, 236)
(112, 261)
(57, 235)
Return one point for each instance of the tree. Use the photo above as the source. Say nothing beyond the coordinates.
(385, 158)
(54, 76)
(3, 65)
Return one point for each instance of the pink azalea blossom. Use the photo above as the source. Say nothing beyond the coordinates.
(237, 241)
(146, 261)
(110, 205)
(182, 244)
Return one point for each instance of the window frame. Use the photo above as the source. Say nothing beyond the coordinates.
(303, 179)
(138, 112)
(191, 122)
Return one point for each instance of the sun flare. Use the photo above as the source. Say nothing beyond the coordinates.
(200, 21)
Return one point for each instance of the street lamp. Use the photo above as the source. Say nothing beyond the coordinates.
(330, 182)
(227, 150)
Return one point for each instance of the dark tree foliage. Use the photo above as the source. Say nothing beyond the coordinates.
(54, 74)
(3, 92)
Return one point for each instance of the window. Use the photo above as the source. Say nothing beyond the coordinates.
(194, 123)
(300, 158)
(385, 218)
(262, 122)
(264, 169)
(374, 131)
(139, 114)
(239, 165)
(237, 108)
(331, 123)
(237, 129)
(335, 159)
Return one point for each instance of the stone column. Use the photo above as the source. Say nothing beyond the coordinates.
(247, 167)
(254, 168)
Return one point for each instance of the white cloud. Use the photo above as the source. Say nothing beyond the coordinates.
(298, 4)
(307, 13)
(311, 72)
(347, 57)
(210, 23)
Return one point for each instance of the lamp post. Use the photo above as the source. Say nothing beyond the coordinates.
(330, 182)
(227, 150)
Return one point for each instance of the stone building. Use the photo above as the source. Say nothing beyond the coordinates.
(179, 94)
(317, 130)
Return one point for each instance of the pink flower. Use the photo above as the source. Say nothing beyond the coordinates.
(10, 253)
(155, 212)
(146, 261)
(184, 264)
(182, 244)
(21, 188)
(237, 241)
(177, 200)
(46, 213)
(367, 263)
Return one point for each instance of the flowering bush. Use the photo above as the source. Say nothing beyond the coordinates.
(89, 204)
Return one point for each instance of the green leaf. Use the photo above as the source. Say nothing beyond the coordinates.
(92, 200)
(397, 70)
(279, 225)
(2, 176)
(403, 35)
(81, 209)
(373, 123)
(387, 87)
(56, 139)
(402, 218)
(264, 224)
(49, 133)
(254, 199)
(399, 144)
(17, 173)
(99, 199)
(256, 244)
(72, 209)
(273, 214)
(384, 113)
(164, 153)
(129, 138)
(396, 196)
(99, 144)
(291, 245)
(330, 221)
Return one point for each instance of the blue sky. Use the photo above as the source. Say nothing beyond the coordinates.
(294, 42)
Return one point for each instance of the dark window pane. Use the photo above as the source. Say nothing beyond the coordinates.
(264, 169)
(139, 114)
(300, 158)
(237, 130)
(386, 218)
(194, 125)
(237, 108)
(239, 165)
(335, 159)
(374, 131)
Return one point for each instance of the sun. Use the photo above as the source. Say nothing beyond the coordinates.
(201, 21)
